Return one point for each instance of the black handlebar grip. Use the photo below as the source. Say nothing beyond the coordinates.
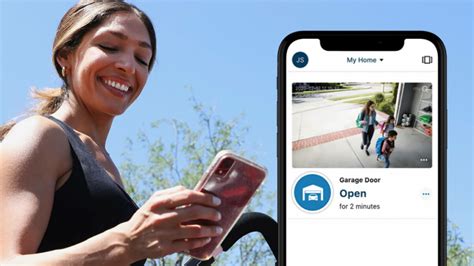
(248, 223)
(254, 222)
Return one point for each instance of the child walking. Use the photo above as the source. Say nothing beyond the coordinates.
(386, 147)
(388, 125)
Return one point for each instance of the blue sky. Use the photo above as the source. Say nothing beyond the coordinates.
(227, 53)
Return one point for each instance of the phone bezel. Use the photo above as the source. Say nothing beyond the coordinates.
(361, 36)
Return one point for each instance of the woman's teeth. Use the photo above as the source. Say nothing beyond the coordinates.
(117, 85)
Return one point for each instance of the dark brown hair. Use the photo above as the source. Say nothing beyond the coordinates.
(77, 22)
(392, 133)
(367, 107)
(390, 117)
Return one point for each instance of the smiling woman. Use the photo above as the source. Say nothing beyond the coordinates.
(110, 63)
(62, 197)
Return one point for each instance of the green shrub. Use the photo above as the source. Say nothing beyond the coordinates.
(386, 107)
(378, 98)
(390, 99)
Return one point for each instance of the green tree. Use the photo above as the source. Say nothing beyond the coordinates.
(379, 98)
(458, 253)
(182, 160)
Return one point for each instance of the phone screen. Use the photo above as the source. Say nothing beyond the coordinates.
(362, 155)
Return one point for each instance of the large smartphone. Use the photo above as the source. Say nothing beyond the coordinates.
(362, 148)
(234, 179)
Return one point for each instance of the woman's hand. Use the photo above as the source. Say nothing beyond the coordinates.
(161, 226)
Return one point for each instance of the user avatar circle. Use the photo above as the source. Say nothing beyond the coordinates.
(300, 59)
(312, 192)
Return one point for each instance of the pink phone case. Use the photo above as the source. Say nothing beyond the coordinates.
(234, 184)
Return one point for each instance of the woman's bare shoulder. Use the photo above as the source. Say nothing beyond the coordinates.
(37, 142)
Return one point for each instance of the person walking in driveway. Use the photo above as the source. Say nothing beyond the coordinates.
(387, 126)
(387, 148)
(368, 121)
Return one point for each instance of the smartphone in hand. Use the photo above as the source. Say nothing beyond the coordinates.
(234, 180)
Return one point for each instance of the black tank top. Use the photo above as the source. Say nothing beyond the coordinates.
(88, 203)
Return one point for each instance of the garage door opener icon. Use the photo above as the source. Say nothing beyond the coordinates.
(312, 192)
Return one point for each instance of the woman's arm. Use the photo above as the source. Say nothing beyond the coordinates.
(107, 248)
(363, 117)
(33, 156)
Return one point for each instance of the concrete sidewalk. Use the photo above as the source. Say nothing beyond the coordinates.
(412, 150)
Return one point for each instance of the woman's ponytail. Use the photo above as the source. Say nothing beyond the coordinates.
(49, 102)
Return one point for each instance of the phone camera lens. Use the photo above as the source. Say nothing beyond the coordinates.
(224, 167)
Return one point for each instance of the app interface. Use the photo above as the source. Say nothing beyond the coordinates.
(362, 155)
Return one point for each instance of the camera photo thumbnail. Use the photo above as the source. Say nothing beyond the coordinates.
(362, 125)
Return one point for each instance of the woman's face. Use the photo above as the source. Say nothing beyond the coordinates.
(109, 69)
(372, 107)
